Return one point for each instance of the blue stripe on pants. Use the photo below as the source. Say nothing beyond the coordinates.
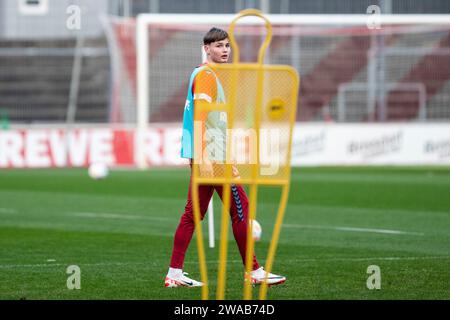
(237, 201)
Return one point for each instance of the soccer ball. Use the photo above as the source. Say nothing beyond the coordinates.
(256, 230)
(98, 171)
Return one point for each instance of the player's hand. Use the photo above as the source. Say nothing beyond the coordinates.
(206, 169)
(236, 172)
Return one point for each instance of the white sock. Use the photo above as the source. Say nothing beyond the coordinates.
(174, 272)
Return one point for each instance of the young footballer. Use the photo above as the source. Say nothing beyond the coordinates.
(204, 85)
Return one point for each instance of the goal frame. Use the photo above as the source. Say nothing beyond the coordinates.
(143, 47)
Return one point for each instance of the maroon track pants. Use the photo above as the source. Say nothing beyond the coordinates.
(186, 227)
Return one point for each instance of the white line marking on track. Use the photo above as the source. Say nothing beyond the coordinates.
(353, 229)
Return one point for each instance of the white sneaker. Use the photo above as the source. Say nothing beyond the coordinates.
(181, 281)
(258, 276)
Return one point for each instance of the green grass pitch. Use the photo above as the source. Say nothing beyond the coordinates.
(119, 231)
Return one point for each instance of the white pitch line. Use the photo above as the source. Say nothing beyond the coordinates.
(8, 210)
(340, 259)
(353, 229)
(96, 215)
(107, 264)
(11, 266)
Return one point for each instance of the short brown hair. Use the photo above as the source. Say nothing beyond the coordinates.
(215, 34)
